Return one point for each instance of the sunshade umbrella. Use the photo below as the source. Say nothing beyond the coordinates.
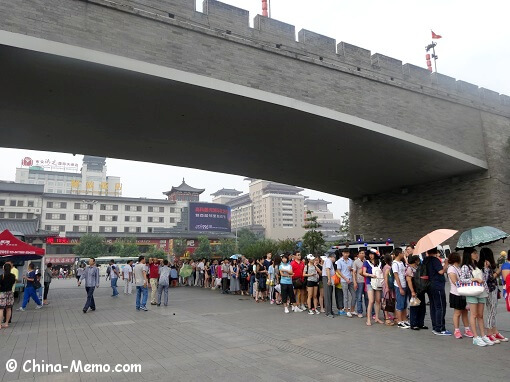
(186, 270)
(432, 240)
(480, 236)
(234, 257)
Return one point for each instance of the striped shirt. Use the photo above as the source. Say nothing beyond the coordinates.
(91, 276)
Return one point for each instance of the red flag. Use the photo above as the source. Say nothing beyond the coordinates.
(435, 36)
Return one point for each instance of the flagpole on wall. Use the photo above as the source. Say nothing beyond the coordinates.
(432, 46)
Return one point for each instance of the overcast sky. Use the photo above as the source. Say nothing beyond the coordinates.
(474, 48)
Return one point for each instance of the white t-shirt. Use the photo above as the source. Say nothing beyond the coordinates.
(201, 267)
(126, 270)
(399, 269)
(139, 268)
(113, 275)
(328, 264)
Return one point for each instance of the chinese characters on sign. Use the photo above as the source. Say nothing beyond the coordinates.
(209, 217)
(49, 164)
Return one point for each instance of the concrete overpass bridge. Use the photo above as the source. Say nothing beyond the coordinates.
(157, 81)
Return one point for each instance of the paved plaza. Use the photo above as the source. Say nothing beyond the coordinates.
(205, 336)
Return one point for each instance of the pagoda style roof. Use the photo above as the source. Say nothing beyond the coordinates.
(320, 201)
(227, 191)
(184, 188)
(274, 187)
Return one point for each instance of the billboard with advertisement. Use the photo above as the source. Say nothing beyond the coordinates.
(209, 217)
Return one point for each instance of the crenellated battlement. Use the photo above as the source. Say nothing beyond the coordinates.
(322, 49)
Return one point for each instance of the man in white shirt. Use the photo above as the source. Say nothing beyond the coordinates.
(399, 273)
(200, 272)
(127, 276)
(142, 291)
(328, 270)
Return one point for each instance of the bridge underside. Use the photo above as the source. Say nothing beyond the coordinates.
(57, 103)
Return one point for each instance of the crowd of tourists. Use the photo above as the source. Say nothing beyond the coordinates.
(389, 289)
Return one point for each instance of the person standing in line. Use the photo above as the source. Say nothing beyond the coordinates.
(30, 289)
(48, 274)
(416, 313)
(437, 295)
(91, 277)
(207, 274)
(298, 281)
(457, 302)
(140, 275)
(234, 280)
(359, 283)
(328, 270)
(287, 290)
(164, 282)
(225, 273)
(114, 277)
(491, 274)
(312, 283)
(127, 276)
(344, 266)
(7, 280)
(371, 269)
(400, 286)
(505, 275)
(321, 284)
(201, 273)
(174, 277)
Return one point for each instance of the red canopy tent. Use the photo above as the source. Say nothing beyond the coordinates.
(12, 248)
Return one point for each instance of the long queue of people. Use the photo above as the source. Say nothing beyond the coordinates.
(390, 289)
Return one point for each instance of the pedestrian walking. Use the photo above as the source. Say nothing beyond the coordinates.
(127, 276)
(142, 292)
(15, 272)
(48, 275)
(79, 272)
(114, 277)
(91, 277)
(30, 288)
(163, 283)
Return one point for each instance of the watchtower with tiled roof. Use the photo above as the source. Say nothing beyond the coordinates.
(184, 193)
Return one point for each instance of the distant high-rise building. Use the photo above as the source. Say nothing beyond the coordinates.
(329, 226)
(91, 180)
(276, 208)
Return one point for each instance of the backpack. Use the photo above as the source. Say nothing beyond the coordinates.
(391, 278)
(377, 282)
(109, 270)
(421, 280)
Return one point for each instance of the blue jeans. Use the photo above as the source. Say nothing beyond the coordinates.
(113, 283)
(360, 295)
(163, 289)
(141, 293)
(252, 281)
(90, 303)
(30, 292)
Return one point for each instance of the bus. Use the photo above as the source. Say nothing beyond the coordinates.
(103, 263)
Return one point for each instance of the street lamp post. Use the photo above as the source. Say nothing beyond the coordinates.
(89, 204)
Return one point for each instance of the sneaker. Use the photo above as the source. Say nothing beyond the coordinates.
(272, 302)
(468, 333)
(21, 309)
(424, 327)
(494, 339)
(330, 316)
(144, 308)
(445, 333)
(342, 313)
(415, 328)
(435, 333)
(360, 315)
(407, 323)
(317, 312)
(302, 307)
(457, 334)
(349, 314)
(478, 341)
(500, 337)
(287, 310)
(402, 325)
(311, 312)
(487, 340)
(293, 308)
(297, 309)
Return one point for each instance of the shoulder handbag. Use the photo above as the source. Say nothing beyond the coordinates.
(335, 279)
(389, 303)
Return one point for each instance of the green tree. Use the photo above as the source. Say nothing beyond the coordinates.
(179, 247)
(125, 248)
(345, 226)
(204, 248)
(287, 245)
(91, 246)
(227, 247)
(245, 238)
(260, 248)
(158, 253)
(313, 240)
